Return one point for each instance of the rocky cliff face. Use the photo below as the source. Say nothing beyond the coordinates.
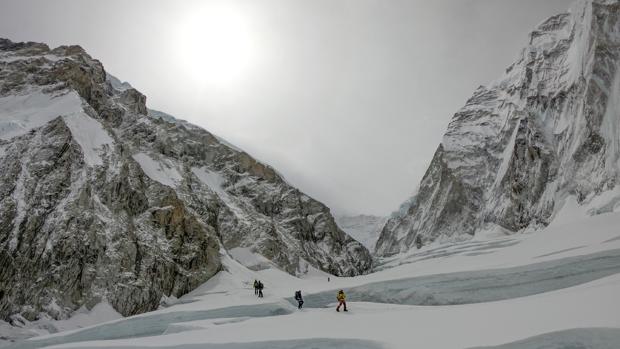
(547, 130)
(101, 201)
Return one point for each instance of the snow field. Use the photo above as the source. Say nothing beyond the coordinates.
(599, 338)
(562, 278)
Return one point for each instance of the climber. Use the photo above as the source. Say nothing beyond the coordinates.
(418, 242)
(255, 287)
(300, 301)
(260, 289)
(341, 300)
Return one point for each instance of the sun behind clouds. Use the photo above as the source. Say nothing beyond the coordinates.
(215, 44)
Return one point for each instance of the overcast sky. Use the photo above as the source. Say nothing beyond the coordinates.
(347, 98)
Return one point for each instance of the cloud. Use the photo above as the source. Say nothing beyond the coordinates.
(350, 98)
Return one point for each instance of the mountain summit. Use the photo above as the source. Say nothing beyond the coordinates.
(546, 133)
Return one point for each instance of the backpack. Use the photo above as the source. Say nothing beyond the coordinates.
(297, 295)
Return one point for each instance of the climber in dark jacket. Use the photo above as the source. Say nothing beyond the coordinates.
(300, 301)
(260, 289)
(256, 287)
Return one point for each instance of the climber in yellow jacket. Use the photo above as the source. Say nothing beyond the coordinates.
(341, 297)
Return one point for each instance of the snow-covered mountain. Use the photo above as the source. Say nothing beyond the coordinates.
(363, 228)
(101, 202)
(545, 134)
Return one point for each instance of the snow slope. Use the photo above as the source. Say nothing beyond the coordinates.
(90, 134)
(161, 171)
(576, 281)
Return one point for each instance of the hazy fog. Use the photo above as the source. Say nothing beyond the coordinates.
(348, 99)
